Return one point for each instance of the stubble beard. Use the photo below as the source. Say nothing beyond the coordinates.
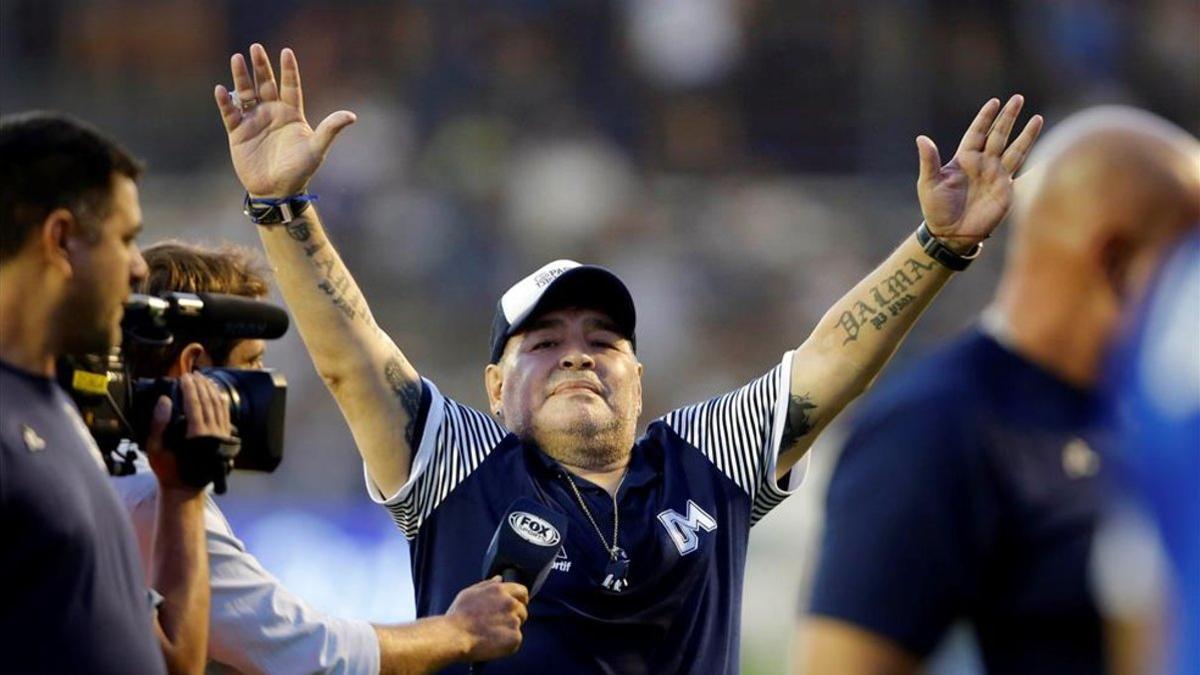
(586, 443)
(85, 325)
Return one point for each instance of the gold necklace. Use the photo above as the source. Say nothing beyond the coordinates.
(616, 574)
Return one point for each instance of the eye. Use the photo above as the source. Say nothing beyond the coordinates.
(604, 339)
(542, 344)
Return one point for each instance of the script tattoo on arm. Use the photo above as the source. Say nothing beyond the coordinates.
(407, 392)
(886, 299)
(800, 420)
(335, 280)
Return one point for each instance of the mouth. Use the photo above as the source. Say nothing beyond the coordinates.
(577, 386)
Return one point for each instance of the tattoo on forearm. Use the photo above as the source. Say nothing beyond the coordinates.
(335, 280)
(299, 230)
(407, 392)
(886, 299)
(800, 419)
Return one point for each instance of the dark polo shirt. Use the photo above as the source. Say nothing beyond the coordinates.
(968, 489)
(698, 479)
(74, 598)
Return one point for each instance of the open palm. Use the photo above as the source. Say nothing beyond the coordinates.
(274, 150)
(964, 200)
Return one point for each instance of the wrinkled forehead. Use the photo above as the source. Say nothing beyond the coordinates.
(564, 317)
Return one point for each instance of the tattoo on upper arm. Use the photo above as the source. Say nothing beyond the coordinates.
(800, 419)
(407, 392)
(886, 299)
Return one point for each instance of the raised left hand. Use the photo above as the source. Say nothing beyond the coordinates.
(274, 150)
(964, 200)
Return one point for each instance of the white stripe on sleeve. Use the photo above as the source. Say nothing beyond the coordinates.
(455, 441)
(740, 432)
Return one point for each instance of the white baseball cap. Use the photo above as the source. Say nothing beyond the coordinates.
(562, 283)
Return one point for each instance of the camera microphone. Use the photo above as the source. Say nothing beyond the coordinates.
(203, 315)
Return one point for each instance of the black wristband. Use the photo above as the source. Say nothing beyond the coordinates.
(263, 211)
(944, 254)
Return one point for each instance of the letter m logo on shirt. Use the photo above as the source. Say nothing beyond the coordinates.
(682, 530)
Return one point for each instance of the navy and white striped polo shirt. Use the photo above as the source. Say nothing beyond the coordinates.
(698, 479)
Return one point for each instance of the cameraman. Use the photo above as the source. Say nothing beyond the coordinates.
(258, 626)
(75, 598)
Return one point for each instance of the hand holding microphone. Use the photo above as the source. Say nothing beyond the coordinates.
(490, 614)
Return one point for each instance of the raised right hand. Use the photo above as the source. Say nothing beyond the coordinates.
(490, 613)
(274, 150)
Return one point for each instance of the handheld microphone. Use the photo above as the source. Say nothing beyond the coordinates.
(526, 542)
(203, 315)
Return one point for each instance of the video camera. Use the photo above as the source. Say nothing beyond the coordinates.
(115, 405)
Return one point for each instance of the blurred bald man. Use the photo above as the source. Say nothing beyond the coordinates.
(969, 488)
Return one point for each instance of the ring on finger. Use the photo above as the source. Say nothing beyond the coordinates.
(244, 104)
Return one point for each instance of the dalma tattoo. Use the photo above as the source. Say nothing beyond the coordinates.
(886, 299)
(407, 392)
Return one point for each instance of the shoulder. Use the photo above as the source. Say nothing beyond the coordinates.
(943, 389)
(136, 490)
(930, 414)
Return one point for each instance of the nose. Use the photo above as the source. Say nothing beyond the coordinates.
(138, 269)
(576, 360)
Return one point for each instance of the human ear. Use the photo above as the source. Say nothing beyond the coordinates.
(193, 357)
(58, 240)
(1115, 253)
(640, 371)
(493, 381)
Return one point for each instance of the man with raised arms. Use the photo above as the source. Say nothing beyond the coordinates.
(649, 580)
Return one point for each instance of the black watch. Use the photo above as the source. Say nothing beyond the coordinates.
(262, 211)
(944, 254)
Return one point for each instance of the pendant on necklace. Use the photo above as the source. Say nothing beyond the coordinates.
(616, 574)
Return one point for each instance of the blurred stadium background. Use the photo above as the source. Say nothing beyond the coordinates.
(739, 162)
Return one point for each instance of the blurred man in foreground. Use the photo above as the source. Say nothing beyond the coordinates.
(75, 597)
(1154, 384)
(258, 625)
(969, 487)
(652, 568)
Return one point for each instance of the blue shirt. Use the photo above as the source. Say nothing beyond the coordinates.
(697, 480)
(1155, 384)
(968, 489)
(74, 598)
